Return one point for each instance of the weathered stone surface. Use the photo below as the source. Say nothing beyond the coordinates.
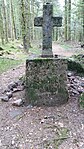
(82, 84)
(57, 21)
(9, 94)
(20, 88)
(74, 85)
(76, 63)
(4, 98)
(18, 103)
(46, 82)
(47, 22)
(38, 21)
(1, 53)
(12, 85)
(15, 112)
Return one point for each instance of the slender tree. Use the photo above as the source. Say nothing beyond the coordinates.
(25, 23)
(69, 19)
(83, 17)
(13, 20)
(32, 19)
(1, 27)
(5, 20)
(65, 24)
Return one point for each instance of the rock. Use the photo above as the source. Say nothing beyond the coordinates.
(29, 106)
(14, 113)
(18, 103)
(1, 49)
(82, 84)
(15, 90)
(81, 144)
(7, 128)
(42, 121)
(61, 124)
(50, 147)
(16, 83)
(1, 53)
(23, 83)
(0, 143)
(12, 85)
(73, 86)
(76, 80)
(4, 98)
(9, 94)
(13, 142)
(82, 46)
(6, 90)
(45, 117)
(69, 74)
(80, 90)
(68, 84)
(20, 88)
(72, 78)
(75, 92)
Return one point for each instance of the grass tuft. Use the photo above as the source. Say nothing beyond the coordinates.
(6, 64)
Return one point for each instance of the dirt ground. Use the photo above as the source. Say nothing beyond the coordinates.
(73, 49)
(39, 127)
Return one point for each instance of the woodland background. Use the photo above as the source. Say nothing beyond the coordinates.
(17, 20)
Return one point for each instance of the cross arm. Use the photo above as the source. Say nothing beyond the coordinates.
(38, 21)
(57, 21)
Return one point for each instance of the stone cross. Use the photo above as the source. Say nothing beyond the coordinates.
(47, 22)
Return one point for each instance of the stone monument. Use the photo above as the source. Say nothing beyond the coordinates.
(47, 22)
(46, 76)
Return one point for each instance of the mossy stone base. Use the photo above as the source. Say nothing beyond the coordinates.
(46, 82)
(77, 66)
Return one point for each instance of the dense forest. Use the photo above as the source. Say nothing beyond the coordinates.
(17, 20)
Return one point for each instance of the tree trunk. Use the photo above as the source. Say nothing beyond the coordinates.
(83, 19)
(56, 33)
(13, 20)
(66, 20)
(1, 28)
(25, 21)
(5, 21)
(32, 19)
(69, 19)
(28, 36)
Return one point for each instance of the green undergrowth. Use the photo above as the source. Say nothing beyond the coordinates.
(76, 63)
(65, 46)
(81, 100)
(12, 55)
(10, 47)
(61, 136)
(35, 51)
(6, 64)
(13, 49)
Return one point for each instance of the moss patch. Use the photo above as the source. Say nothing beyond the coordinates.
(76, 63)
(6, 64)
(45, 81)
(81, 100)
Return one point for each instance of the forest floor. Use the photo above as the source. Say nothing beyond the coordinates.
(41, 127)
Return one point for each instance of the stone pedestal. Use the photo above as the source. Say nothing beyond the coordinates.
(46, 82)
